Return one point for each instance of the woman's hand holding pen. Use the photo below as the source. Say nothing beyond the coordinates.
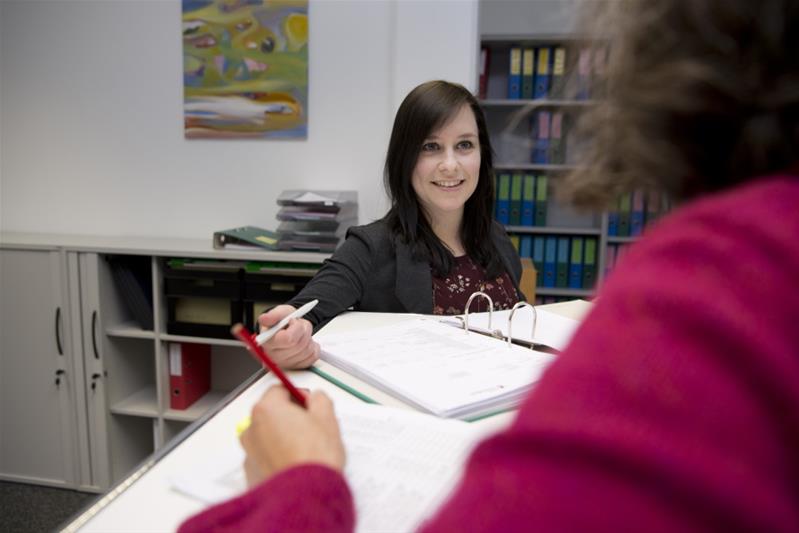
(293, 346)
(282, 435)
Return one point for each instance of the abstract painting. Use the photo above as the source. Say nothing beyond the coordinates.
(245, 68)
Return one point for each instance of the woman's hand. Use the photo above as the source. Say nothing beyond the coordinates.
(282, 434)
(291, 347)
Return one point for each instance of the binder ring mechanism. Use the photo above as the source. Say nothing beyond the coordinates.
(494, 333)
(510, 322)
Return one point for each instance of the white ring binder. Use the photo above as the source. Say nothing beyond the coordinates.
(510, 321)
(469, 304)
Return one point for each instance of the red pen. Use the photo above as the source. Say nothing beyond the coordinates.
(241, 333)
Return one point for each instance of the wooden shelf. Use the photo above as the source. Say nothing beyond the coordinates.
(143, 402)
(197, 409)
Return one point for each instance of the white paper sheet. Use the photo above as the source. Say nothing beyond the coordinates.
(401, 465)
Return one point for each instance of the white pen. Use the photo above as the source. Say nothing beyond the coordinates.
(269, 333)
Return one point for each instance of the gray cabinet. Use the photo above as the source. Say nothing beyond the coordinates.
(39, 387)
(84, 388)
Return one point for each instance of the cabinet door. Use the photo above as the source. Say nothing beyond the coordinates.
(37, 387)
(92, 333)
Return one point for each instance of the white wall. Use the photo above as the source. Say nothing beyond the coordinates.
(91, 132)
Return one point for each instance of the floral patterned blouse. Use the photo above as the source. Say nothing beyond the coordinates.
(451, 292)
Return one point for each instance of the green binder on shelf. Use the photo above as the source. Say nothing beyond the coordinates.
(515, 74)
(589, 263)
(562, 264)
(541, 200)
(516, 200)
(528, 201)
(538, 259)
(576, 264)
(246, 236)
(558, 89)
(528, 72)
(503, 198)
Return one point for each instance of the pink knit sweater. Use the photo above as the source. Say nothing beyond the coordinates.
(675, 408)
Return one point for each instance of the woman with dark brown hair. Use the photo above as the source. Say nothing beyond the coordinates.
(676, 405)
(438, 243)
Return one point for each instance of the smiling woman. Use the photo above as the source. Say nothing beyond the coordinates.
(436, 245)
(446, 175)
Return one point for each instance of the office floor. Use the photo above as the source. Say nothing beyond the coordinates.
(34, 509)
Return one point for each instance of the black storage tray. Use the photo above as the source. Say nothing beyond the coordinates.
(271, 286)
(272, 289)
(202, 284)
(192, 283)
(198, 329)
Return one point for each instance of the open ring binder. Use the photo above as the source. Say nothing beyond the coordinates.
(494, 332)
(541, 328)
(469, 304)
(510, 322)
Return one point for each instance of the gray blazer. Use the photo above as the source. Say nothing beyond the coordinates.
(370, 272)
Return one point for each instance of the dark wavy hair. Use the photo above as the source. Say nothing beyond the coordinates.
(426, 108)
(699, 95)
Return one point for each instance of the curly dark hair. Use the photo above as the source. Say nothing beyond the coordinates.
(699, 95)
(426, 108)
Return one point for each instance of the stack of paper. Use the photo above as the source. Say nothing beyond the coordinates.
(437, 368)
(315, 220)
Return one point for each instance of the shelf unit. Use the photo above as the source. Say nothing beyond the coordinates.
(114, 397)
(513, 123)
(531, 26)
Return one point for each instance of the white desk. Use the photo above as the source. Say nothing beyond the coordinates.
(145, 500)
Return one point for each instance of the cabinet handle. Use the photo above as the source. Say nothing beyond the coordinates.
(94, 340)
(58, 330)
(95, 377)
(58, 373)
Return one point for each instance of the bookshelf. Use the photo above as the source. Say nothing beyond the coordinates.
(534, 81)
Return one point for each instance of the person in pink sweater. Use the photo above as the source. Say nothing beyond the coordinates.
(676, 405)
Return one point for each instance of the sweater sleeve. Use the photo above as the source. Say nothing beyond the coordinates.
(309, 498)
(676, 407)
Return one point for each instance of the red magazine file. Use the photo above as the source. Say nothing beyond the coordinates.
(189, 373)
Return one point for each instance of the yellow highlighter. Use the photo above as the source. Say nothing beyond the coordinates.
(242, 425)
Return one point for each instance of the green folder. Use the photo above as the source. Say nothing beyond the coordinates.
(247, 236)
(541, 200)
(528, 72)
(562, 264)
(516, 200)
(528, 201)
(589, 263)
